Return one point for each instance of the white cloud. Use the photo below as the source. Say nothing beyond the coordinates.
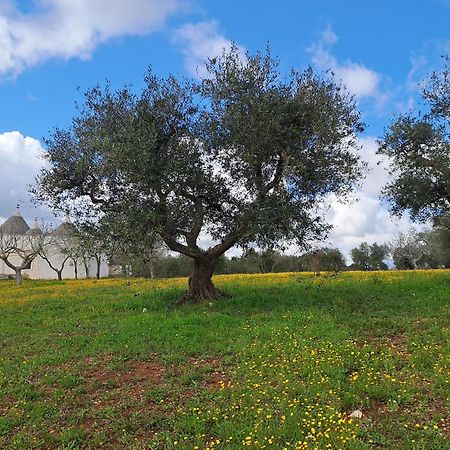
(72, 28)
(200, 41)
(359, 80)
(19, 164)
(419, 66)
(329, 36)
(19, 150)
(366, 219)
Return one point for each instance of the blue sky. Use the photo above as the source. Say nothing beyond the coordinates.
(381, 49)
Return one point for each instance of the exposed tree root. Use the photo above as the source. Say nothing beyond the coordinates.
(199, 297)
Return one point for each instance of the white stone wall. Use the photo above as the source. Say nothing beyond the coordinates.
(40, 269)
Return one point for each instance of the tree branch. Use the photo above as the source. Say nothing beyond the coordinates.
(192, 236)
(175, 246)
(277, 176)
(232, 238)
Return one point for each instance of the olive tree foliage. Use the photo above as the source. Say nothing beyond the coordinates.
(418, 147)
(247, 155)
(133, 246)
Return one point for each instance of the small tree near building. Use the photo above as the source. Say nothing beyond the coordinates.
(18, 250)
(94, 243)
(61, 246)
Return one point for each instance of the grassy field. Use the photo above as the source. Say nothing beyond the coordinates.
(282, 364)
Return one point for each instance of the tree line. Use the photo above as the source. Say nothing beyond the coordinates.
(406, 251)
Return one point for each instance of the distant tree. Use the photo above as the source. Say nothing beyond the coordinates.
(246, 156)
(73, 248)
(268, 260)
(370, 257)
(173, 266)
(325, 259)
(94, 243)
(265, 261)
(242, 264)
(361, 257)
(61, 246)
(418, 147)
(290, 263)
(409, 250)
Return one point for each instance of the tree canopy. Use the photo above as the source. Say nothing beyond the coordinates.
(246, 155)
(418, 147)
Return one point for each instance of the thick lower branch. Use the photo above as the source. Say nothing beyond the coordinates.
(175, 246)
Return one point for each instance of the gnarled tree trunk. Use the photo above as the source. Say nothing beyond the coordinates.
(201, 286)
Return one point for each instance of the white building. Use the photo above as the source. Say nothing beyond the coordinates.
(74, 267)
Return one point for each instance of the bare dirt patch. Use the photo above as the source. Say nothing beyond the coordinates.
(109, 387)
(5, 404)
(378, 411)
(215, 381)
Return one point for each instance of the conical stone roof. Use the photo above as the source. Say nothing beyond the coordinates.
(66, 228)
(34, 230)
(15, 224)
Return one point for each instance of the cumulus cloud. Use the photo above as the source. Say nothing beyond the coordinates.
(200, 41)
(359, 80)
(365, 219)
(19, 164)
(72, 29)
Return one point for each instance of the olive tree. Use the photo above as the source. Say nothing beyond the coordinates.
(370, 257)
(409, 249)
(247, 155)
(418, 148)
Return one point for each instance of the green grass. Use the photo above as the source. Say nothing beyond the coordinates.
(282, 364)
